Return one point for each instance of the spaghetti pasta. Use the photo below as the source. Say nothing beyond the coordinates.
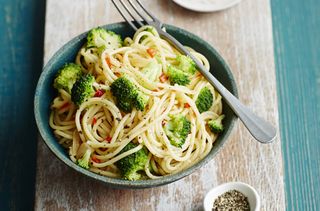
(98, 124)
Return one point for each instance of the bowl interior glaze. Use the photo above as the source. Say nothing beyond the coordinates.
(45, 93)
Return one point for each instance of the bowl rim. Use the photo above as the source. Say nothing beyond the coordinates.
(118, 182)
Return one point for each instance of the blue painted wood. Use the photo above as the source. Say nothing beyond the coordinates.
(21, 29)
(296, 26)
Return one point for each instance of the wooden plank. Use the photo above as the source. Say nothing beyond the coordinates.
(243, 35)
(21, 64)
(297, 52)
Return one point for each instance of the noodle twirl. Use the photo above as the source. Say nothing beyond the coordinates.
(136, 108)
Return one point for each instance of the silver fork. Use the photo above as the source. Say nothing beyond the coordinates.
(133, 11)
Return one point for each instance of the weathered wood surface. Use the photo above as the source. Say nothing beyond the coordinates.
(243, 35)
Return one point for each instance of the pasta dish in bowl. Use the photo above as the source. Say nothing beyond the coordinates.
(129, 109)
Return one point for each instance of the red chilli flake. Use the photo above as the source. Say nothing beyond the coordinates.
(94, 121)
(65, 105)
(152, 52)
(99, 93)
(163, 78)
(108, 62)
(108, 139)
(96, 160)
(186, 105)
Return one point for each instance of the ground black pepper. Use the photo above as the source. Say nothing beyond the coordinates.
(232, 200)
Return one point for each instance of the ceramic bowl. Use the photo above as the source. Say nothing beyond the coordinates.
(67, 53)
(247, 190)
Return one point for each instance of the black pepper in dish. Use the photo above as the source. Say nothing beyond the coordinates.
(232, 200)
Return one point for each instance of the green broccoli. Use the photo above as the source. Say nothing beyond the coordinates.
(128, 95)
(67, 76)
(204, 100)
(130, 165)
(82, 89)
(101, 38)
(177, 76)
(141, 101)
(150, 29)
(215, 125)
(84, 162)
(177, 129)
(150, 73)
(186, 64)
(152, 70)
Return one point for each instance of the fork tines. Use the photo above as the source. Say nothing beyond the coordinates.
(134, 13)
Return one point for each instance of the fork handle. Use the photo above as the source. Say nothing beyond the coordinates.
(260, 129)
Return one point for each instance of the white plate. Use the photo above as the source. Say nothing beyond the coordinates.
(206, 5)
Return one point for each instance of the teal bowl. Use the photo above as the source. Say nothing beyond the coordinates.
(45, 93)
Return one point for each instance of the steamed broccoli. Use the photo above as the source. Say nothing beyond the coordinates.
(177, 130)
(130, 166)
(82, 89)
(204, 100)
(177, 76)
(128, 95)
(141, 101)
(215, 125)
(67, 76)
(152, 70)
(103, 39)
(186, 64)
(85, 160)
(150, 29)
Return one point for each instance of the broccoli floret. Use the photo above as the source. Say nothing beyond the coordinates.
(141, 101)
(82, 89)
(128, 95)
(101, 49)
(186, 64)
(150, 73)
(150, 29)
(204, 100)
(101, 38)
(152, 70)
(215, 125)
(177, 76)
(67, 76)
(177, 130)
(85, 160)
(130, 166)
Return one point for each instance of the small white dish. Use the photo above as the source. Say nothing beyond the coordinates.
(206, 5)
(247, 190)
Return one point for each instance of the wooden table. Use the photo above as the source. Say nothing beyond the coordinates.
(296, 32)
(243, 36)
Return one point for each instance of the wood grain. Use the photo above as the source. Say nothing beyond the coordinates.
(297, 53)
(243, 36)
